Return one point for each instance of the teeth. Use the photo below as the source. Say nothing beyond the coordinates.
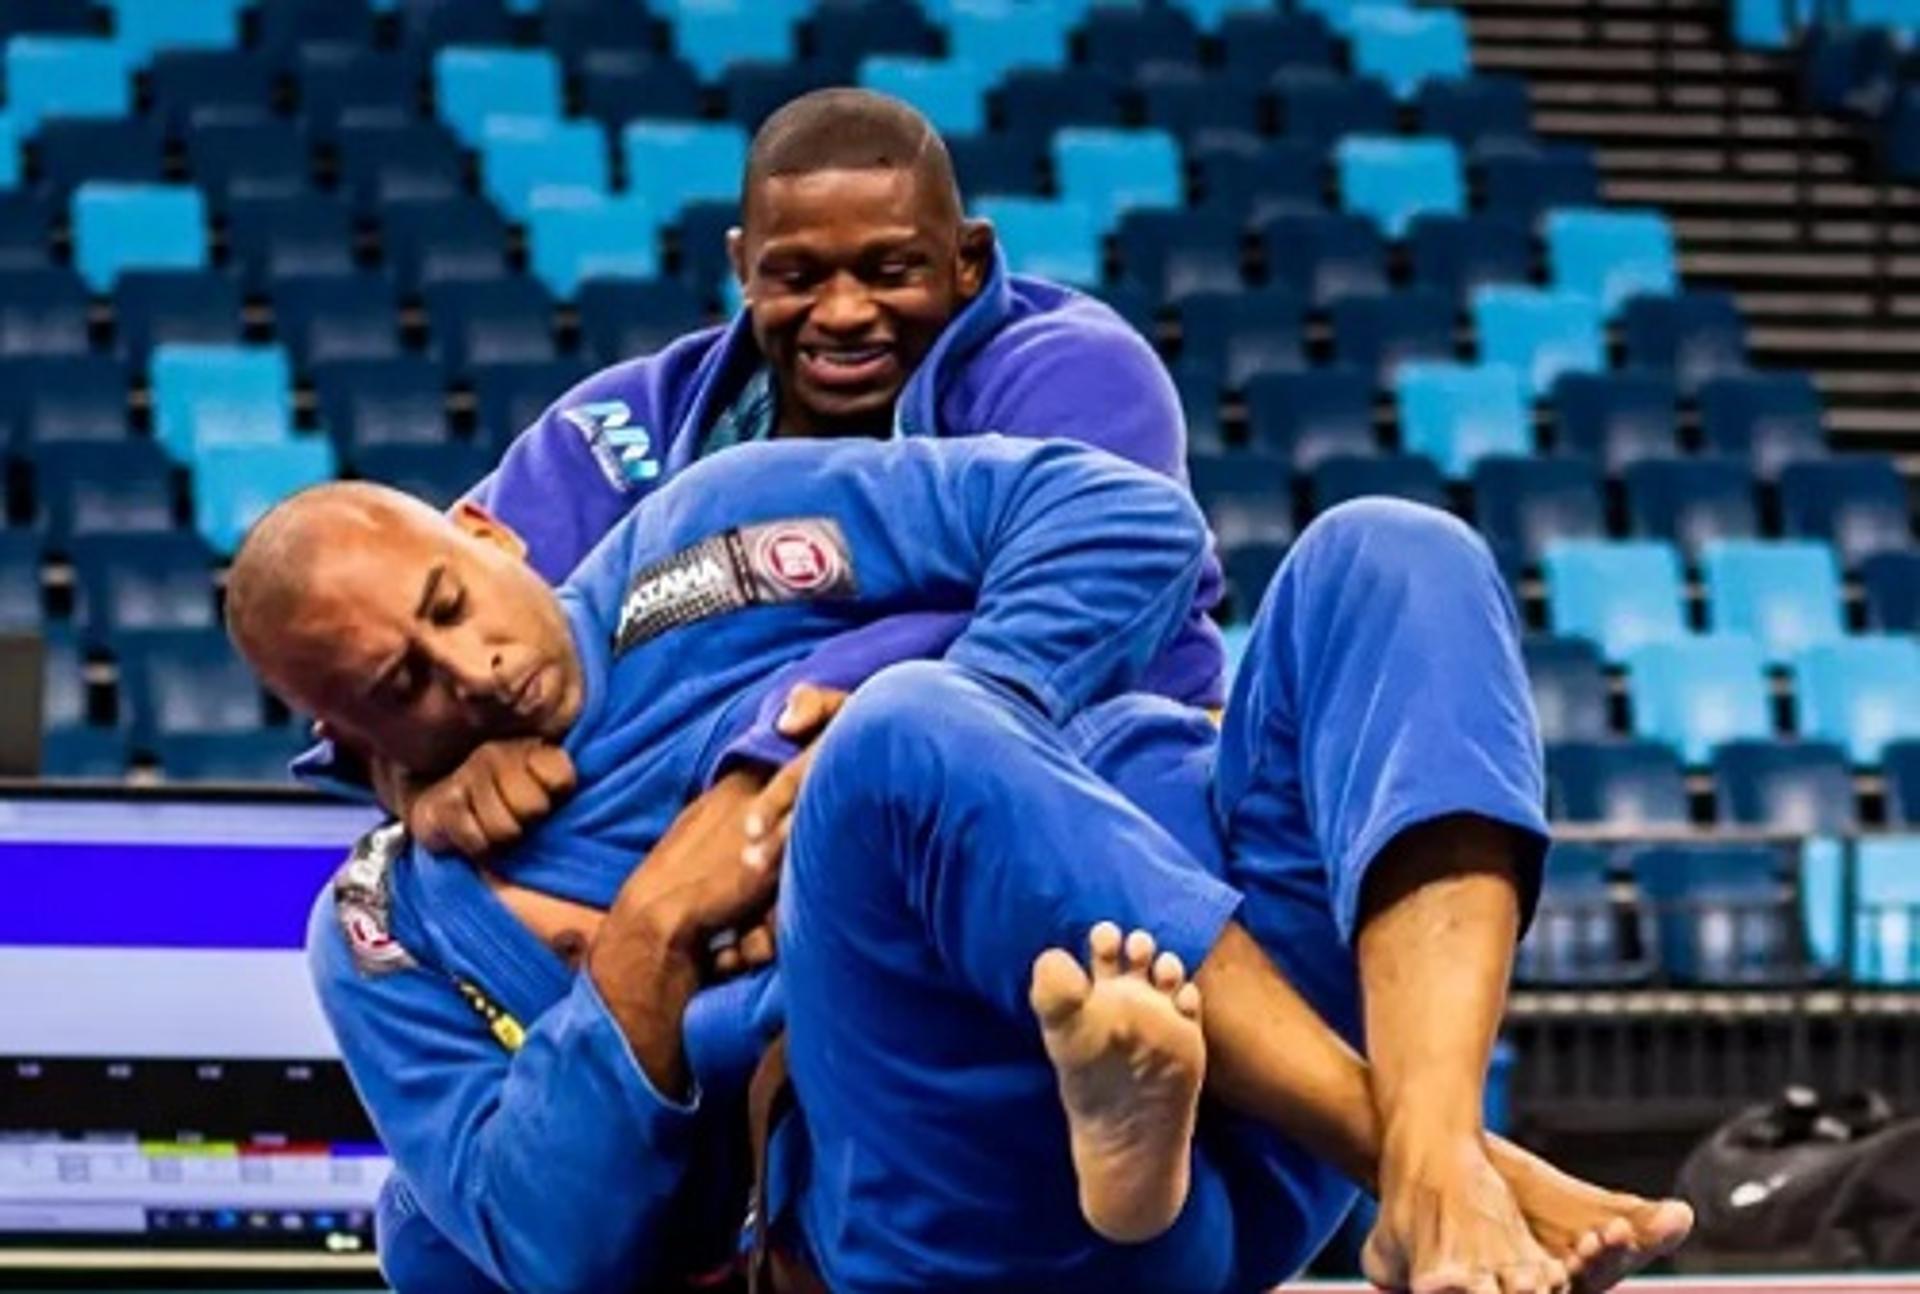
(849, 358)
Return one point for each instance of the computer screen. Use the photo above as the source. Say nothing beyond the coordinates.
(166, 1078)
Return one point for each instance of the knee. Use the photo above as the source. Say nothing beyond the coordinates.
(1379, 536)
(895, 734)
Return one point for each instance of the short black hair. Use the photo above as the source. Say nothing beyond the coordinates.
(845, 129)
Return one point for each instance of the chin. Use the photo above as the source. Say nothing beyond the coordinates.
(863, 411)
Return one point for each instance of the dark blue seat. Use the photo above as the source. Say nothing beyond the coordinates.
(1858, 503)
(1194, 101)
(1175, 254)
(157, 307)
(477, 324)
(452, 240)
(1036, 99)
(850, 30)
(700, 233)
(1200, 408)
(619, 85)
(1257, 178)
(1769, 419)
(1697, 337)
(1248, 497)
(439, 474)
(186, 680)
(1377, 334)
(577, 28)
(1312, 415)
(511, 397)
(378, 402)
(1261, 43)
(429, 25)
(160, 580)
(336, 317)
(1722, 912)
(1481, 110)
(1325, 258)
(47, 18)
(1522, 505)
(1122, 40)
(280, 238)
(248, 159)
(755, 89)
(1900, 765)
(66, 399)
(1569, 685)
(82, 491)
(1892, 583)
(1617, 419)
(1458, 254)
(350, 76)
(1850, 70)
(398, 161)
(188, 81)
(76, 149)
(20, 597)
(1900, 136)
(1522, 185)
(310, 33)
(42, 312)
(1341, 477)
(64, 699)
(1691, 502)
(622, 318)
(231, 758)
(1005, 162)
(1620, 783)
(1249, 569)
(1319, 107)
(1579, 934)
(26, 232)
(1234, 337)
(1801, 787)
(84, 754)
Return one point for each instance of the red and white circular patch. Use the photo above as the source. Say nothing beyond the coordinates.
(796, 559)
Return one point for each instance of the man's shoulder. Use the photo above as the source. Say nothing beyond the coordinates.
(1051, 327)
(354, 932)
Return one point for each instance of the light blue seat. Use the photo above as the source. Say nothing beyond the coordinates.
(576, 234)
(953, 95)
(119, 227)
(1861, 693)
(1341, 14)
(1392, 180)
(673, 163)
(1540, 335)
(1696, 693)
(521, 155)
(1769, 24)
(1784, 595)
(472, 83)
(1886, 935)
(1055, 240)
(711, 35)
(1405, 48)
(65, 76)
(1610, 256)
(234, 485)
(9, 152)
(1208, 15)
(996, 36)
(1457, 414)
(205, 396)
(143, 27)
(1618, 595)
(1112, 172)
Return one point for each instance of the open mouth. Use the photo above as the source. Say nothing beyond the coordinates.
(530, 696)
(846, 365)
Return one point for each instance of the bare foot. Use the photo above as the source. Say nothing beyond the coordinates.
(1449, 1225)
(1127, 1046)
(1603, 1236)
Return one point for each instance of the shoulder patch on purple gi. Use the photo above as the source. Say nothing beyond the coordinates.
(363, 901)
(623, 451)
(797, 560)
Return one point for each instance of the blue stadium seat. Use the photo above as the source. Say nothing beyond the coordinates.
(427, 25)
(1569, 688)
(1524, 185)
(1248, 497)
(1628, 784)
(1056, 240)
(1007, 162)
(1610, 255)
(1721, 910)
(1691, 502)
(84, 754)
(1615, 418)
(47, 18)
(1540, 334)
(259, 158)
(74, 151)
(20, 597)
(1047, 99)
(189, 680)
(1249, 570)
(143, 27)
(455, 240)
(953, 96)
(1697, 337)
(65, 76)
(154, 307)
(1312, 415)
(511, 397)
(620, 85)
(1770, 419)
(520, 155)
(856, 29)
(1406, 48)
(1887, 944)
(1900, 136)
(1618, 595)
(1577, 935)
(345, 77)
(1325, 258)
(1232, 337)
(63, 696)
(1392, 180)
(119, 227)
(472, 84)
(1112, 172)
(42, 312)
(579, 235)
(1861, 693)
(1318, 107)
(1378, 334)
(476, 324)
(440, 474)
(1121, 39)
(1479, 111)
(26, 232)
(621, 318)
(997, 38)
(277, 238)
(700, 239)
(389, 160)
(1695, 693)
(162, 580)
(67, 399)
(1801, 787)
(1340, 477)
(185, 82)
(1901, 768)
(1457, 414)
(1459, 254)
(1200, 401)
(1193, 103)
(219, 395)
(1174, 254)
(711, 34)
(1857, 503)
(1768, 24)
(1522, 505)
(1892, 584)
(671, 164)
(391, 401)
(1257, 178)
(230, 758)
(83, 492)
(755, 89)
(1784, 595)
(1264, 40)
(234, 484)
(12, 163)
(336, 318)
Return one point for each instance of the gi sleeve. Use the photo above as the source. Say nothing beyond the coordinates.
(414, 1257)
(552, 1168)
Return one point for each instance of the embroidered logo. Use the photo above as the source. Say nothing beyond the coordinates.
(623, 451)
(780, 561)
(363, 901)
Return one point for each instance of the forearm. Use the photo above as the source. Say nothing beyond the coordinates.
(644, 965)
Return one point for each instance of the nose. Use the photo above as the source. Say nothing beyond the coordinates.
(843, 306)
(472, 670)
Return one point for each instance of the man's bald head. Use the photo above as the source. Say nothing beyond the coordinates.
(850, 130)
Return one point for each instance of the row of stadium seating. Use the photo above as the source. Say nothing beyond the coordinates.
(1857, 59)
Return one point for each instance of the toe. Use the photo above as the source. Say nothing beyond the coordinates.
(1168, 972)
(1103, 943)
(1059, 986)
(1452, 1278)
(1140, 950)
(1187, 1001)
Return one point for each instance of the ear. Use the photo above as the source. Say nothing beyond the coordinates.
(737, 257)
(976, 256)
(472, 519)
